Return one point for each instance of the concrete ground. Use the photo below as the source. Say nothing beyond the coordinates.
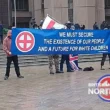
(41, 91)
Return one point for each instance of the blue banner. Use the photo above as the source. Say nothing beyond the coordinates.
(32, 41)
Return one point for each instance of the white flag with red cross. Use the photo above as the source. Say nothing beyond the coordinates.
(49, 23)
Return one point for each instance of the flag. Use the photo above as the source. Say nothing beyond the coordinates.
(73, 59)
(49, 23)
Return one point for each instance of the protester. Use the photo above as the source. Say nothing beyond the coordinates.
(95, 26)
(104, 25)
(104, 54)
(82, 27)
(63, 59)
(10, 57)
(66, 57)
(35, 26)
(41, 23)
(77, 27)
(1, 32)
(103, 60)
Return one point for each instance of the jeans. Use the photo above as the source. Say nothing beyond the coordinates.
(15, 61)
(63, 59)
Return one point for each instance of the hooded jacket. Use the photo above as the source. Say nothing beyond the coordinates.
(7, 45)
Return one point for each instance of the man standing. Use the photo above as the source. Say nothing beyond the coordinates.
(10, 57)
(105, 54)
(66, 57)
(1, 32)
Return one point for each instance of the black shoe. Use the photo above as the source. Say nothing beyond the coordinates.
(102, 69)
(20, 76)
(80, 69)
(6, 77)
(62, 71)
(51, 72)
(70, 70)
(59, 72)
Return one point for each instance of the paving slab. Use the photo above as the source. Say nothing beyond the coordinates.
(41, 91)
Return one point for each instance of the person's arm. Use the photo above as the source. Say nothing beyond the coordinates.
(5, 48)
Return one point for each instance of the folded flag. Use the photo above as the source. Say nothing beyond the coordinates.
(49, 23)
(73, 59)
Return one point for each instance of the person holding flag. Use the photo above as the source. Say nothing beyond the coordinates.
(49, 23)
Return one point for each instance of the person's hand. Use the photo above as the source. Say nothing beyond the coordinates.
(10, 53)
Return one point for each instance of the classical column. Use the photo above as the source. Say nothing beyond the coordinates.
(84, 12)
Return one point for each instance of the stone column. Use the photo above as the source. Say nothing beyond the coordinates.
(37, 11)
(84, 12)
(100, 11)
(57, 9)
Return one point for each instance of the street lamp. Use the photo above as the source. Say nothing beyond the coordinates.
(15, 11)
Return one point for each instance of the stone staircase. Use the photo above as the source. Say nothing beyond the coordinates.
(39, 60)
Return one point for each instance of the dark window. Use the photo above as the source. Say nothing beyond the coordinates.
(21, 5)
(107, 4)
(70, 10)
(23, 25)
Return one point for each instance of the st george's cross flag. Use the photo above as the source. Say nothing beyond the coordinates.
(50, 23)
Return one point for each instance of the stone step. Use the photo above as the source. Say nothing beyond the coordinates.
(38, 60)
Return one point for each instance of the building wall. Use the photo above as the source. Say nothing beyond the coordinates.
(88, 11)
(38, 11)
(4, 12)
(58, 10)
(84, 11)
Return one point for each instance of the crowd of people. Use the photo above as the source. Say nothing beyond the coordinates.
(59, 68)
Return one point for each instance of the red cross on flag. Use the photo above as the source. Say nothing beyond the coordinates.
(49, 23)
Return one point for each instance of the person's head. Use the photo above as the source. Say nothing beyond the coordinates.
(41, 22)
(72, 27)
(9, 33)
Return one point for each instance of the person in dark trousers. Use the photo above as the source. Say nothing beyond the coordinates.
(63, 59)
(103, 60)
(78, 27)
(10, 57)
(1, 32)
(104, 54)
(66, 57)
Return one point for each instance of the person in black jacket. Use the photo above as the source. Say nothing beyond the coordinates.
(95, 26)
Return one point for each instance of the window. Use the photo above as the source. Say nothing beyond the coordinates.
(22, 25)
(107, 4)
(21, 5)
(70, 10)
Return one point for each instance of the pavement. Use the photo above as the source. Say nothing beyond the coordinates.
(41, 91)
